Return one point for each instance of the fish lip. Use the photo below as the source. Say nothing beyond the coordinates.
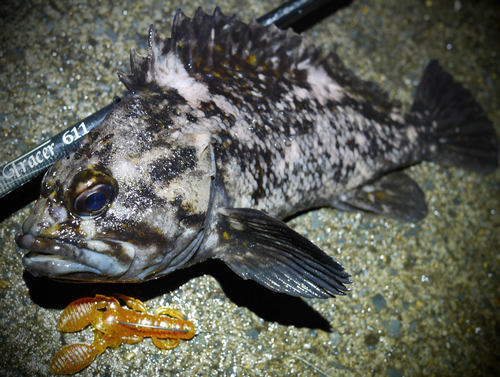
(41, 264)
(63, 258)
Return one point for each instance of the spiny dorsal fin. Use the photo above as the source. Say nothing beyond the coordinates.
(204, 44)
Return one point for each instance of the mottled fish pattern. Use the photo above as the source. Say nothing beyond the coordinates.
(228, 129)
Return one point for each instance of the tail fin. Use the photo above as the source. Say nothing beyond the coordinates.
(465, 136)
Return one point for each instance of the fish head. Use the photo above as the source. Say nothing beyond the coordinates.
(130, 204)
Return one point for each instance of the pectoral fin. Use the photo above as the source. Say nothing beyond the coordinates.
(259, 247)
(395, 195)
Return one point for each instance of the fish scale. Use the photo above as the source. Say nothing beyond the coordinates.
(228, 129)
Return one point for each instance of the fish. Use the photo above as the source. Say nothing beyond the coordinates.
(228, 129)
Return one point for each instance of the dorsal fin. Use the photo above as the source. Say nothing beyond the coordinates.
(205, 46)
(367, 89)
(207, 43)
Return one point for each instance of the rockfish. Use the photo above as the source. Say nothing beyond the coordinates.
(229, 128)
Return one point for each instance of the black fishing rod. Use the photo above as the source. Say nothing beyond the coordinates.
(287, 14)
(33, 163)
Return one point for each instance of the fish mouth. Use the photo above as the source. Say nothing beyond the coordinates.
(98, 260)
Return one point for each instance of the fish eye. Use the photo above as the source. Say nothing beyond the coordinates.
(91, 192)
(94, 201)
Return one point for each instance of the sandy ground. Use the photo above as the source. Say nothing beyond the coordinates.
(425, 299)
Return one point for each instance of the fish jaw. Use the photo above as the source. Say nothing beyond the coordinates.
(58, 258)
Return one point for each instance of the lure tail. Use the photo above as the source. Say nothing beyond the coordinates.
(73, 358)
(465, 136)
